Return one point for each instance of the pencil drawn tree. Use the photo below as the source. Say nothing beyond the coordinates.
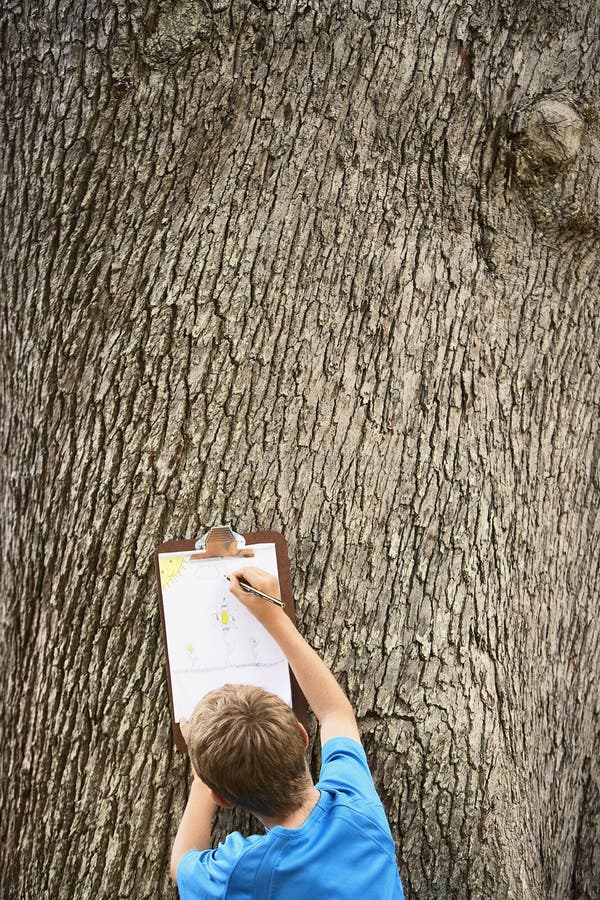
(329, 268)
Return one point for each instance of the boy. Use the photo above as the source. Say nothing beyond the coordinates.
(329, 841)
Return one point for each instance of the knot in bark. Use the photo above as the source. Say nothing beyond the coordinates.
(552, 130)
(177, 29)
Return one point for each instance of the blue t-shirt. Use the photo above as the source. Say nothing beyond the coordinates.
(343, 851)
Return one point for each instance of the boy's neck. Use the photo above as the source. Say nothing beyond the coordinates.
(297, 818)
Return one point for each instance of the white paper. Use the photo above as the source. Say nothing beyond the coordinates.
(212, 639)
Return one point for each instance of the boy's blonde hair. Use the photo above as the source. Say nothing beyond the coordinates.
(245, 744)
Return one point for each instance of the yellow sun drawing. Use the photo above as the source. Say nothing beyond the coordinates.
(170, 567)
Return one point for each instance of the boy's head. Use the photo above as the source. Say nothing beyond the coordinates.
(248, 747)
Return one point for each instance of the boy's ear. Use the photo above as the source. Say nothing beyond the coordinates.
(303, 734)
(221, 801)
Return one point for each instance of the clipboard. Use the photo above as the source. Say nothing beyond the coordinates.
(221, 543)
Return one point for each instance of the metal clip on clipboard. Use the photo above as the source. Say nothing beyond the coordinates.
(221, 540)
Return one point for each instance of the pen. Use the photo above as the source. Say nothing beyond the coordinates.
(252, 590)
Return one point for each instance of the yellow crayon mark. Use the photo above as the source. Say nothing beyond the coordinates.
(170, 567)
(224, 617)
(189, 648)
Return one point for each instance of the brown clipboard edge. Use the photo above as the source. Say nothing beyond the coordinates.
(299, 704)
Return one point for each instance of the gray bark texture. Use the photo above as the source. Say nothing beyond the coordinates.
(329, 268)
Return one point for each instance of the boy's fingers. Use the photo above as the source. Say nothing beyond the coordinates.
(255, 576)
(234, 580)
(234, 585)
(235, 577)
(258, 578)
(237, 590)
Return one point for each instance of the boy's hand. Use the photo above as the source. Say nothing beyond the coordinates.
(262, 581)
(259, 579)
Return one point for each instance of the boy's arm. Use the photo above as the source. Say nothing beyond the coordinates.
(326, 698)
(194, 829)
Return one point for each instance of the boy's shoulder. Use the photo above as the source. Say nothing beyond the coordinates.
(345, 773)
(344, 767)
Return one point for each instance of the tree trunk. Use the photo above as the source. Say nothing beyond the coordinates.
(330, 269)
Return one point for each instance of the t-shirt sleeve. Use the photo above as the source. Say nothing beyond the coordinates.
(205, 873)
(344, 768)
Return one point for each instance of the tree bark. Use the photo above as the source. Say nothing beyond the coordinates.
(332, 269)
